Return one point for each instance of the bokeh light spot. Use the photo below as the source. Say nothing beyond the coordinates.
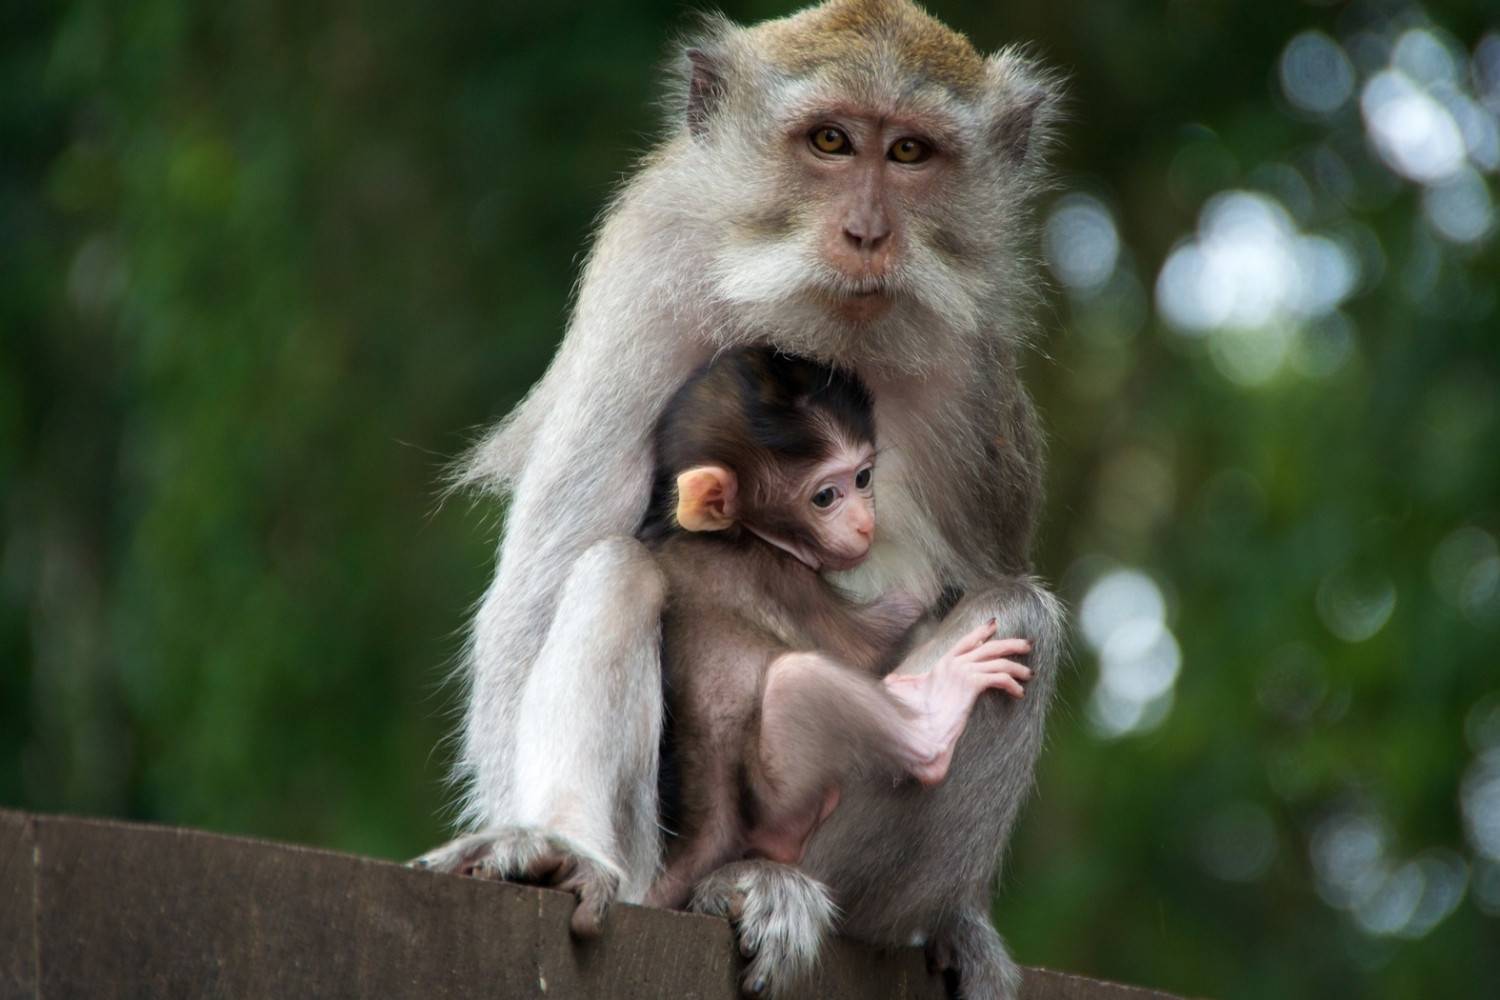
(1293, 684)
(1323, 347)
(1316, 75)
(1355, 606)
(1426, 58)
(1238, 843)
(1122, 618)
(1459, 208)
(1249, 269)
(1082, 242)
(1117, 599)
(1486, 69)
(1412, 132)
(1465, 570)
(1347, 851)
(1482, 723)
(1479, 797)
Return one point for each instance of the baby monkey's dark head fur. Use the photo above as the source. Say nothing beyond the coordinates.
(766, 445)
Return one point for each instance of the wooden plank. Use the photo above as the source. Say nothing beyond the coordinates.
(1044, 984)
(17, 897)
(128, 911)
(103, 909)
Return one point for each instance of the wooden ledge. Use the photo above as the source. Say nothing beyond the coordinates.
(101, 909)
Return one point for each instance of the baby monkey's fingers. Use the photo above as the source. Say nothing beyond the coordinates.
(1005, 675)
(997, 648)
(973, 639)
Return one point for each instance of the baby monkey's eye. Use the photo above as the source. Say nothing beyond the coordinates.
(825, 497)
(863, 477)
(827, 139)
(910, 151)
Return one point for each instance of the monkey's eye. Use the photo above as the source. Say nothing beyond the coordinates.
(833, 141)
(910, 151)
(863, 477)
(824, 498)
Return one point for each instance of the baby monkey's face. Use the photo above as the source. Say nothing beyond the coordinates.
(839, 506)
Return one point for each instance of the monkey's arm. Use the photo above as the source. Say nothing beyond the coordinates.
(561, 642)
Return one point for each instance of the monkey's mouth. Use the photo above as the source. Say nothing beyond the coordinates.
(864, 300)
(865, 285)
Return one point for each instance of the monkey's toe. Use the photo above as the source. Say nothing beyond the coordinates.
(595, 888)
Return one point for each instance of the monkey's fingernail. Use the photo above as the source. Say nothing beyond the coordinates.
(759, 986)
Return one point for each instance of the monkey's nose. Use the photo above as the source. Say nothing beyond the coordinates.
(867, 237)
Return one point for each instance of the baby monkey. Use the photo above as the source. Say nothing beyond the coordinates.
(765, 476)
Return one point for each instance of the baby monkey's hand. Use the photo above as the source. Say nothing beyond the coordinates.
(983, 659)
(941, 699)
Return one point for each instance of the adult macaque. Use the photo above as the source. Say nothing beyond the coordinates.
(766, 476)
(852, 184)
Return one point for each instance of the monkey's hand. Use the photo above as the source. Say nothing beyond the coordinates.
(534, 857)
(941, 699)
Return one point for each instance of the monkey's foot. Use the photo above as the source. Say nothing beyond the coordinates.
(780, 917)
(534, 857)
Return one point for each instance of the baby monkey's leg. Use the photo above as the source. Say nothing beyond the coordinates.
(821, 720)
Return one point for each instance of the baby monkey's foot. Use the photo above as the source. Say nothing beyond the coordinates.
(941, 699)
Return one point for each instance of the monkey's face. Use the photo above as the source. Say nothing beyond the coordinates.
(863, 178)
(838, 507)
(866, 180)
(862, 243)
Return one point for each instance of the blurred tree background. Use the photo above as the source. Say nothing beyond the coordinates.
(265, 267)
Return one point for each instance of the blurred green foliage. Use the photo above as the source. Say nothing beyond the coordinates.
(266, 266)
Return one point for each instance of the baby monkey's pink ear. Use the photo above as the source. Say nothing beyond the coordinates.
(705, 498)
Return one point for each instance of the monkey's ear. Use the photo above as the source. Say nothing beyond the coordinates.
(1026, 106)
(706, 498)
(705, 91)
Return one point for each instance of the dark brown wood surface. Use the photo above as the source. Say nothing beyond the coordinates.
(99, 909)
